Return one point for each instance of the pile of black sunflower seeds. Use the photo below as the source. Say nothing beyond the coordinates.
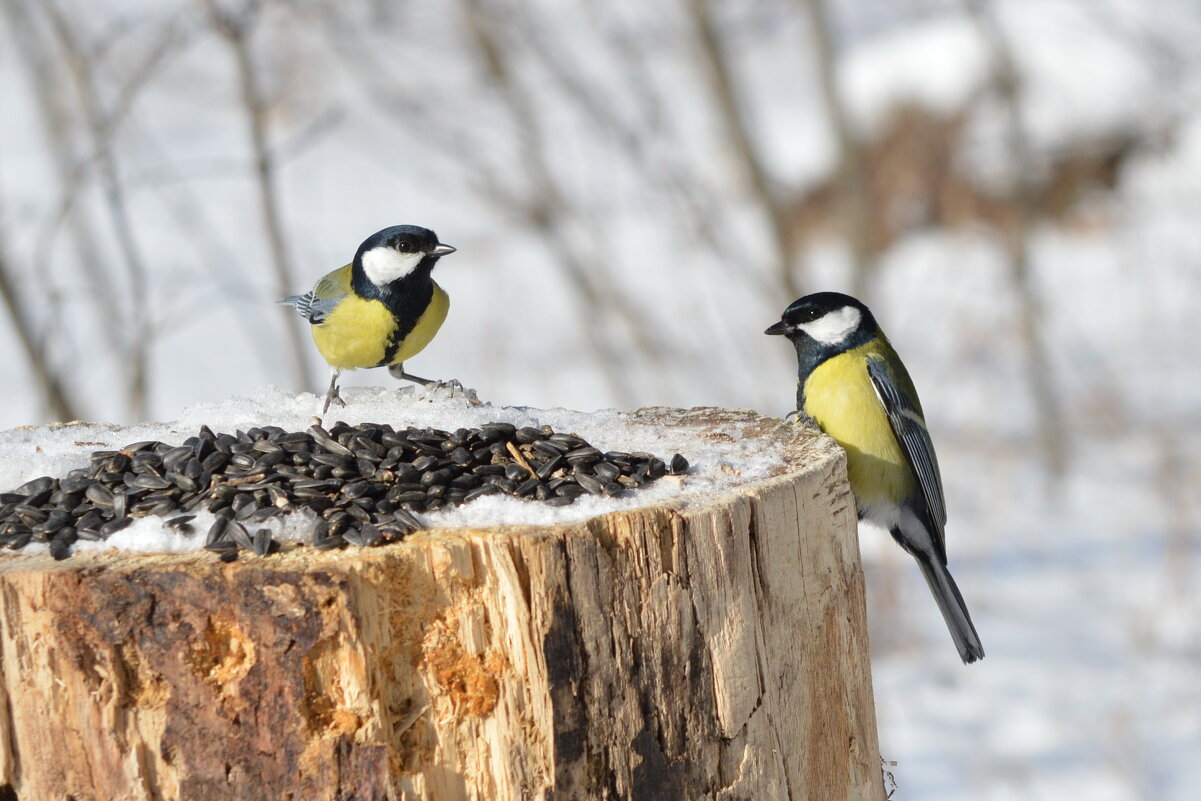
(362, 483)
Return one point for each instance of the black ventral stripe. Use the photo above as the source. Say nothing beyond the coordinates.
(406, 306)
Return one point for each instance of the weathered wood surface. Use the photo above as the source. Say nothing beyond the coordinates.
(713, 649)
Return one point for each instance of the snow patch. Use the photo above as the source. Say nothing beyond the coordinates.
(720, 458)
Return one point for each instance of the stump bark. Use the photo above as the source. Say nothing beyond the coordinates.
(708, 649)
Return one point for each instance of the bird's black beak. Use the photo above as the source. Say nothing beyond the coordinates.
(442, 250)
(779, 329)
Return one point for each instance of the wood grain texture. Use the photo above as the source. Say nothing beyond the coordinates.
(714, 648)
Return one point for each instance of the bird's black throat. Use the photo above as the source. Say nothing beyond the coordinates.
(407, 298)
(810, 353)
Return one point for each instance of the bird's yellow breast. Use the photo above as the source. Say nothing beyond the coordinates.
(839, 395)
(427, 326)
(358, 332)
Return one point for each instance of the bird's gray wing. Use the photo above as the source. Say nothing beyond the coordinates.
(897, 395)
(316, 304)
(311, 307)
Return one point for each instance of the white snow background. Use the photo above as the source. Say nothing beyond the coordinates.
(1086, 589)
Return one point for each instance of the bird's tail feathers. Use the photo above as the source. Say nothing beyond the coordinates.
(303, 305)
(954, 610)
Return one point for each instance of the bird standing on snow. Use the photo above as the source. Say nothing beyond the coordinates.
(380, 309)
(854, 386)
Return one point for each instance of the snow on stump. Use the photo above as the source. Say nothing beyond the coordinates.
(699, 647)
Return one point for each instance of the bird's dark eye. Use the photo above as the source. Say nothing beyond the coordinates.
(404, 247)
(805, 315)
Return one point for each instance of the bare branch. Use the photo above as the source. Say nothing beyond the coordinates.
(854, 200)
(101, 128)
(738, 131)
(545, 207)
(630, 137)
(46, 75)
(235, 29)
(51, 384)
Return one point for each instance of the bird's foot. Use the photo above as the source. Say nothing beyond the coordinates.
(434, 390)
(333, 395)
(448, 390)
(799, 418)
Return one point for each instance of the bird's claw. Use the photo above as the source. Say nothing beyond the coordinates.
(333, 395)
(798, 418)
(449, 390)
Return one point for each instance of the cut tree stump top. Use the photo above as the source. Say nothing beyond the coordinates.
(705, 647)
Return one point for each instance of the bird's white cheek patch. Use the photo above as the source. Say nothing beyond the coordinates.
(834, 327)
(384, 265)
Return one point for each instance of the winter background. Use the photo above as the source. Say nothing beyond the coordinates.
(636, 191)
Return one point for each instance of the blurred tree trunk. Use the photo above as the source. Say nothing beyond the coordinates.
(853, 192)
(545, 209)
(1051, 431)
(235, 29)
(49, 95)
(101, 124)
(50, 383)
(736, 118)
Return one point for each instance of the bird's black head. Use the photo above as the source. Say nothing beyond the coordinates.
(397, 253)
(826, 323)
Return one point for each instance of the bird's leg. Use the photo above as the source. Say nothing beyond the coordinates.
(332, 394)
(398, 371)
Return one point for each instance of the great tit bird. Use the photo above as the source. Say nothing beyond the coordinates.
(853, 385)
(380, 309)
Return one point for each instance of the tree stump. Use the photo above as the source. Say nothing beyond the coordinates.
(705, 648)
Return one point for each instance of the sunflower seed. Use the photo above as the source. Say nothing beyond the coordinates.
(362, 480)
(76, 481)
(56, 520)
(148, 481)
(175, 457)
(548, 448)
(550, 466)
(480, 491)
(528, 435)
(237, 532)
(606, 471)
(99, 495)
(586, 455)
(494, 431)
(323, 438)
(60, 548)
(263, 544)
(113, 526)
(589, 483)
(568, 441)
